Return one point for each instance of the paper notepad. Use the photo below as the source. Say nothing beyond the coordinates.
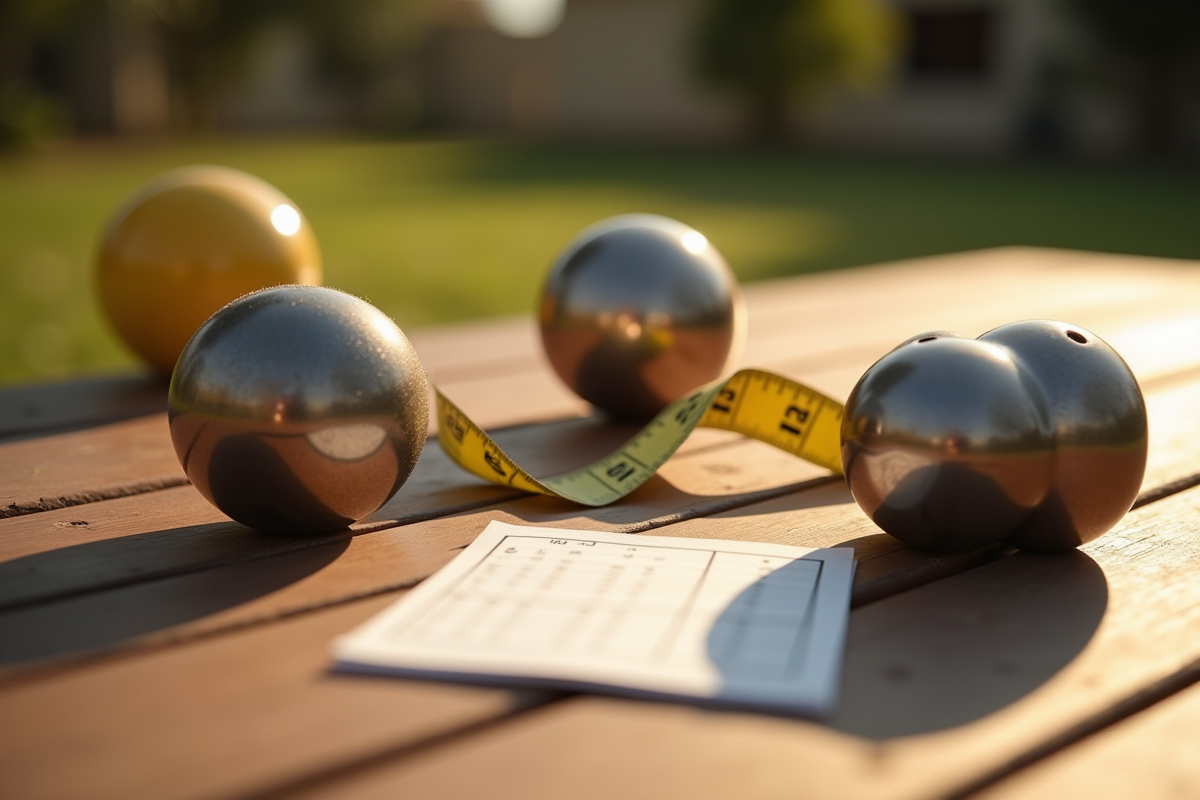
(738, 623)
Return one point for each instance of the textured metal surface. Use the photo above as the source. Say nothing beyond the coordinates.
(638, 311)
(1034, 434)
(298, 409)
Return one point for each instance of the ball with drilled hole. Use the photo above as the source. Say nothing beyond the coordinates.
(1033, 434)
(638, 311)
(189, 242)
(298, 409)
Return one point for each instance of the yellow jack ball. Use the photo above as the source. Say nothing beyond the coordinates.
(191, 241)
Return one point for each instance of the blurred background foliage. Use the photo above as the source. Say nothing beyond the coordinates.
(206, 46)
(443, 163)
(772, 52)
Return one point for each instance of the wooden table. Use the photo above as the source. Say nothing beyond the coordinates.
(152, 648)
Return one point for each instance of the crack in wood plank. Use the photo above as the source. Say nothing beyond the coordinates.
(1128, 706)
(84, 498)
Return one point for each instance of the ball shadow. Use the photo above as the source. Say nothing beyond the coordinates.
(61, 406)
(958, 649)
(945, 654)
(107, 616)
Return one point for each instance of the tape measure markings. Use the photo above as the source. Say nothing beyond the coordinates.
(768, 407)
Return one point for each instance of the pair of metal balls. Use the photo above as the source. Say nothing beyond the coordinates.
(1034, 434)
(300, 410)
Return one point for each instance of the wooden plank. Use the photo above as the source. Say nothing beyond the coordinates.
(943, 684)
(119, 460)
(141, 539)
(219, 717)
(451, 353)
(803, 326)
(107, 732)
(180, 531)
(1155, 751)
(149, 536)
(62, 405)
(897, 735)
(215, 600)
(320, 564)
(58, 604)
(1127, 300)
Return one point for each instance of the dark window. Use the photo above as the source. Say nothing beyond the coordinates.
(950, 44)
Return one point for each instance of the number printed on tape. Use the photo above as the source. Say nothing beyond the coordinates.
(781, 412)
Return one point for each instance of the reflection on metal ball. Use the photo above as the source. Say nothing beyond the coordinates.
(298, 409)
(1033, 434)
(638, 311)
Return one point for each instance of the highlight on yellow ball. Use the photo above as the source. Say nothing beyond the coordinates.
(189, 242)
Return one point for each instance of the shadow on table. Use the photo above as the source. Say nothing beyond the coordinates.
(96, 620)
(946, 654)
(956, 650)
(79, 403)
(658, 502)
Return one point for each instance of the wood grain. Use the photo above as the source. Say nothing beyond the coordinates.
(262, 590)
(807, 327)
(137, 539)
(908, 657)
(70, 469)
(158, 629)
(943, 684)
(1156, 751)
(46, 407)
(182, 579)
(220, 717)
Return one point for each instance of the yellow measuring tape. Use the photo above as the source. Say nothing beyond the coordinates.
(758, 404)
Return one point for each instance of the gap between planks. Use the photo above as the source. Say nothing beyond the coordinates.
(373, 755)
(176, 532)
(725, 527)
(1121, 293)
(451, 353)
(1152, 740)
(1133, 662)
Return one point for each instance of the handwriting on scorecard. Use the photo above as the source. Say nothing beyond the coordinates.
(738, 622)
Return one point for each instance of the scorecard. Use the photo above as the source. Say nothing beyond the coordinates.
(738, 623)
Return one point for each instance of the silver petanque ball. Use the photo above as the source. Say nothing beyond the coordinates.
(298, 409)
(1033, 434)
(1101, 438)
(638, 311)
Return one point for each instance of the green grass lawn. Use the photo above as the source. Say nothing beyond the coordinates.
(440, 231)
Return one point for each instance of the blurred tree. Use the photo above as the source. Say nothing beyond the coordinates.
(199, 48)
(775, 51)
(34, 37)
(207, 45)
(362, 45)
(1150, 49)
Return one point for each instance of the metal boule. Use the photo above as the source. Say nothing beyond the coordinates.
(1101, 436)
(639, 310)
(298, 409)
(1033, 434)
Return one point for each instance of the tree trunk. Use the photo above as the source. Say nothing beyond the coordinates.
(1157, 107)
(769, 117)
